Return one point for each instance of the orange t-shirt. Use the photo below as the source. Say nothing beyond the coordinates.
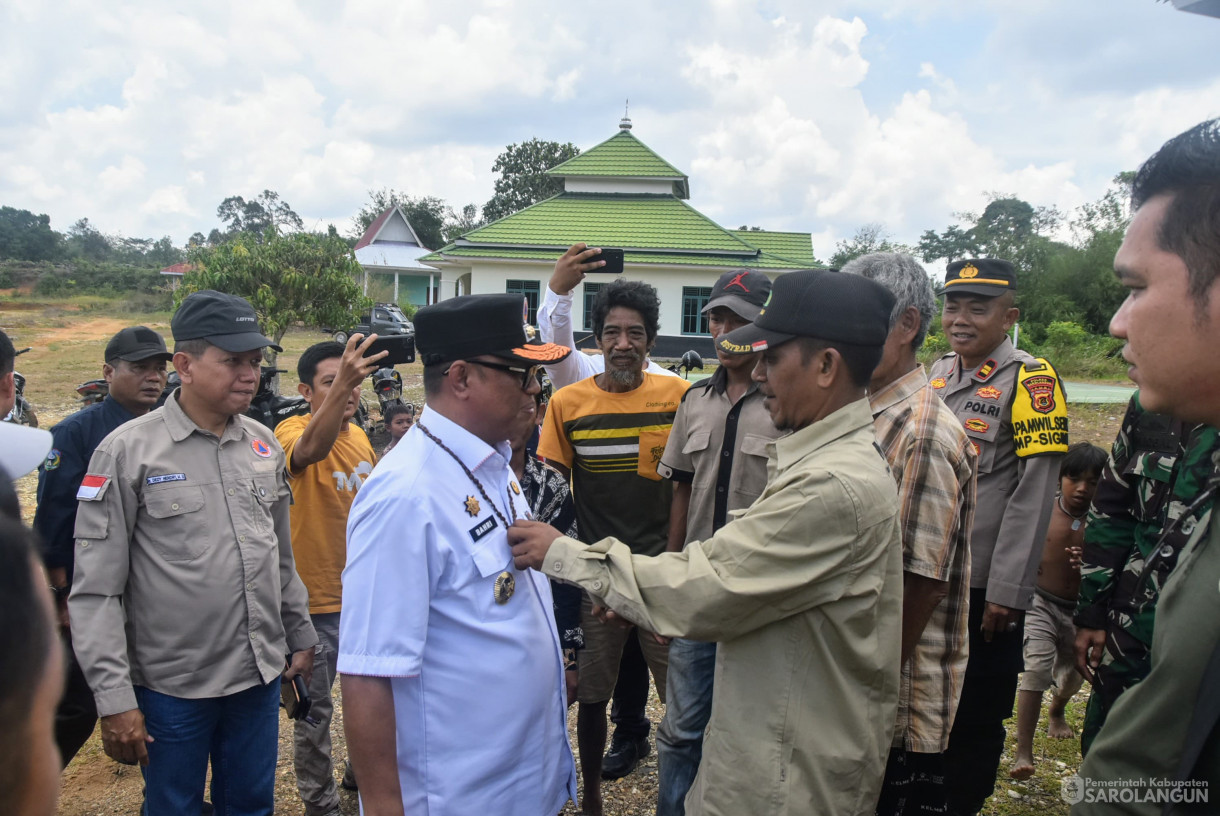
(322, 495)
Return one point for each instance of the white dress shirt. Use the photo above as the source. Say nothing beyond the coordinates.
(478, 686)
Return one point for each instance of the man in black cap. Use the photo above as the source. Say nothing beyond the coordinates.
(716, 458)
(452, 672)
(802, 590)
(186, 598)
(1015, 415)
(134, 370)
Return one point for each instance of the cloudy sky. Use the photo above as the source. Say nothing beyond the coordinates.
(810, 115)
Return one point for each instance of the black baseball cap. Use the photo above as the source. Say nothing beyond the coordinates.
(980, 276)
(136, 343)
(742, 291)
(225, 321)
(473, 325)
(817, 303)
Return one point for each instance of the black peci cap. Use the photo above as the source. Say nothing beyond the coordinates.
(742, 291)
(817, 303)
(225, 321)
(473, 325)
(136, 343)
(980, 276)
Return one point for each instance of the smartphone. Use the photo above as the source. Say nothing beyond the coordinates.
(400, 346)
(613, 259)
(294, 697)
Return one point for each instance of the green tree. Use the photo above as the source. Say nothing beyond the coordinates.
(428, 215)
(868, 238)
(288, 279)
(465, 222)
(522, 180)
(257, 214)
(25, 236)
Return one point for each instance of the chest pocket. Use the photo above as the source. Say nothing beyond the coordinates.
(693, 451)
(652, 448)
(491, 561)
(982, 432)
(753, 465)
(175, 525)
(264, 491)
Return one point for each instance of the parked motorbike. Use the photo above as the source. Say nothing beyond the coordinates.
(93, 391)
(387, 385)
(22, 412)
(271, 408)
(689, 360)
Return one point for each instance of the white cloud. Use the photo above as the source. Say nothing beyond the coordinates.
(815, 115)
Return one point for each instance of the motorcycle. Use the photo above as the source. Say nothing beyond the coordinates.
(93, 391)
(387, 385)
(689, 360)
(22, 412)
(271, 408)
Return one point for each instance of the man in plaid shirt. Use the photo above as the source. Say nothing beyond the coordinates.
(934, 464)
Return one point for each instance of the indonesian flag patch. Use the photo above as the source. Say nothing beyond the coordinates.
(92, 487)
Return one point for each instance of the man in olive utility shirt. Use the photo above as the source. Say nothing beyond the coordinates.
(803, 590)
(186, 601)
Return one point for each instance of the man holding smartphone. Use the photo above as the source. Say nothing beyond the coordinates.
(328, 459)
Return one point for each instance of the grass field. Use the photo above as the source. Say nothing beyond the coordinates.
(67, 339)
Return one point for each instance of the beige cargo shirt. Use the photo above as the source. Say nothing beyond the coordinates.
(185, 582)
(803, 590)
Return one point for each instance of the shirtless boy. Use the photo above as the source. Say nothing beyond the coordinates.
(1049, 632)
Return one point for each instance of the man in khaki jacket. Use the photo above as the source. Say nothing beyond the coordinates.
(803, 590)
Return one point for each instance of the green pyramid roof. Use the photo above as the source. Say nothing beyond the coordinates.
(621, 156)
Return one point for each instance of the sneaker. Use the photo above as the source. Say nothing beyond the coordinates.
(349, 779)
(623, 756)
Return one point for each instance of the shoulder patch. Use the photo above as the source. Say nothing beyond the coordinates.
(53, 459)
(92, 487)
(261, 448)
(938, 382)
(1039, 411)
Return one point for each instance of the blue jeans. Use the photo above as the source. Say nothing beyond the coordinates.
(240, 732)
(688, 706)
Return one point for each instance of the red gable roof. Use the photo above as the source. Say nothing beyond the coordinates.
(374, 228)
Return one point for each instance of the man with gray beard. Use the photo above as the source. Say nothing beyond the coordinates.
(609, 432)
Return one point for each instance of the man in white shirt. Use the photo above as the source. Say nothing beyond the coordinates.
(451, 665)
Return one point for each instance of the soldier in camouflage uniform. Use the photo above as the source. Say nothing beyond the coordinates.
(1157, 467)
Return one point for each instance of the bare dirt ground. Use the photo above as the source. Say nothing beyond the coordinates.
(67, 341)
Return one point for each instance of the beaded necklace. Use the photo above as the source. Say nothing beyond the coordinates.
(511, 508)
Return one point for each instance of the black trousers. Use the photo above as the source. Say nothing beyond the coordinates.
(77, 715)
(988, 694)
(914, 785)
(629, 703)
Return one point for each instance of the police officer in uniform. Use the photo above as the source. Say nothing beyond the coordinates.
(1013, 408)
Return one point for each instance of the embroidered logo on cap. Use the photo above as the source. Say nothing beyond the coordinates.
(969, 271)
(736, 281)
(261, 448)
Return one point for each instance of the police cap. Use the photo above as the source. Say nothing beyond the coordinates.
(988, 277)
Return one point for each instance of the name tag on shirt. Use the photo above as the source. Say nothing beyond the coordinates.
(168, 477)
(482, 528)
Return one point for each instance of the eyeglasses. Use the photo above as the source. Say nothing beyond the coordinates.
(528, 375)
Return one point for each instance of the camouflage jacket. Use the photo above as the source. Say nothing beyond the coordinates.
(1157, 468)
